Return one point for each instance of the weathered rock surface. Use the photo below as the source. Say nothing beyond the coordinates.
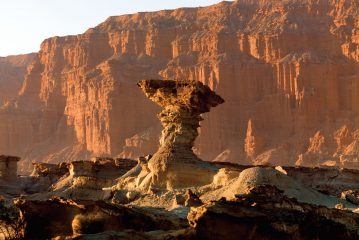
(262, 213)
(287, 69)
(351, 195)
(174, 165)
(10, 183)
(12, 75)
(78, 180)
(265, 213)
(8, 168)
(265, 203)
(58, 217)
(330, 180)
(253, 177)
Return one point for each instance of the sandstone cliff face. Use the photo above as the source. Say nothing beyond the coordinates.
(12, 72)
(288, 71)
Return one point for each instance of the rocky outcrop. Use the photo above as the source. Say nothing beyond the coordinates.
(101, 168)
(253, 177)
(8, 168)
(87, 180)
(351, 195)
(74, 218)
(48, 169)
(287, 70)
(10, 182)
(265, 213)
(174, 165)
(262, 203)
(329, 180)
(79, 180)
(10, 223)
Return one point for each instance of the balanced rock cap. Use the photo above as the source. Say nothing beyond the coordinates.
(187, 94)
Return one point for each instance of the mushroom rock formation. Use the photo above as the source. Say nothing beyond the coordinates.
(174, 165)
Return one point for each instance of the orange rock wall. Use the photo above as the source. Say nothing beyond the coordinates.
(12, 72)
(286, 69)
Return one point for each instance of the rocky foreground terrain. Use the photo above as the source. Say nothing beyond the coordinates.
(288, 71)
(174, 194)
(273, 85)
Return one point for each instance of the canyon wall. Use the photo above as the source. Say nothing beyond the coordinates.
(288, 72)
(12, 73)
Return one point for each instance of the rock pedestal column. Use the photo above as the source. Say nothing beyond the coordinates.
(175, 165)
(8, 167)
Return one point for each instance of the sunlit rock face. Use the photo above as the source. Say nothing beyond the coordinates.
(287, 70)
(12, 73)
(175, 164)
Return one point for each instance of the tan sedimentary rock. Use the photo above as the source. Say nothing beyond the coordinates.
(10, 183)
(48, 169)
(90, 217)
(265, 213)
(330, 180)
(256, 176)
(174, 165)
(8, 167)
(267, 203)
(192, 200)
(87, 179)
(101, 168)
(80, 180)
(224, 175)
(288, 67)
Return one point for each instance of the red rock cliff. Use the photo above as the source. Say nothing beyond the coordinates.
(12, 72)
(288, 71)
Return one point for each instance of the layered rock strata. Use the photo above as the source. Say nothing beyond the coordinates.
(174, 164)
(107, 169)
(81, 180)
(262, 213)
(12, 74)
(330, 181)
(60, 218)
(287, 69)
(248, 202)
(265, 213)
(10, 183)
(8, 167)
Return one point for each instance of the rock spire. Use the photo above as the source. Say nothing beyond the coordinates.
(183, 102)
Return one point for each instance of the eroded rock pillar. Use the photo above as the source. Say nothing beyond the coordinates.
(8, 167)
(175, 165)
